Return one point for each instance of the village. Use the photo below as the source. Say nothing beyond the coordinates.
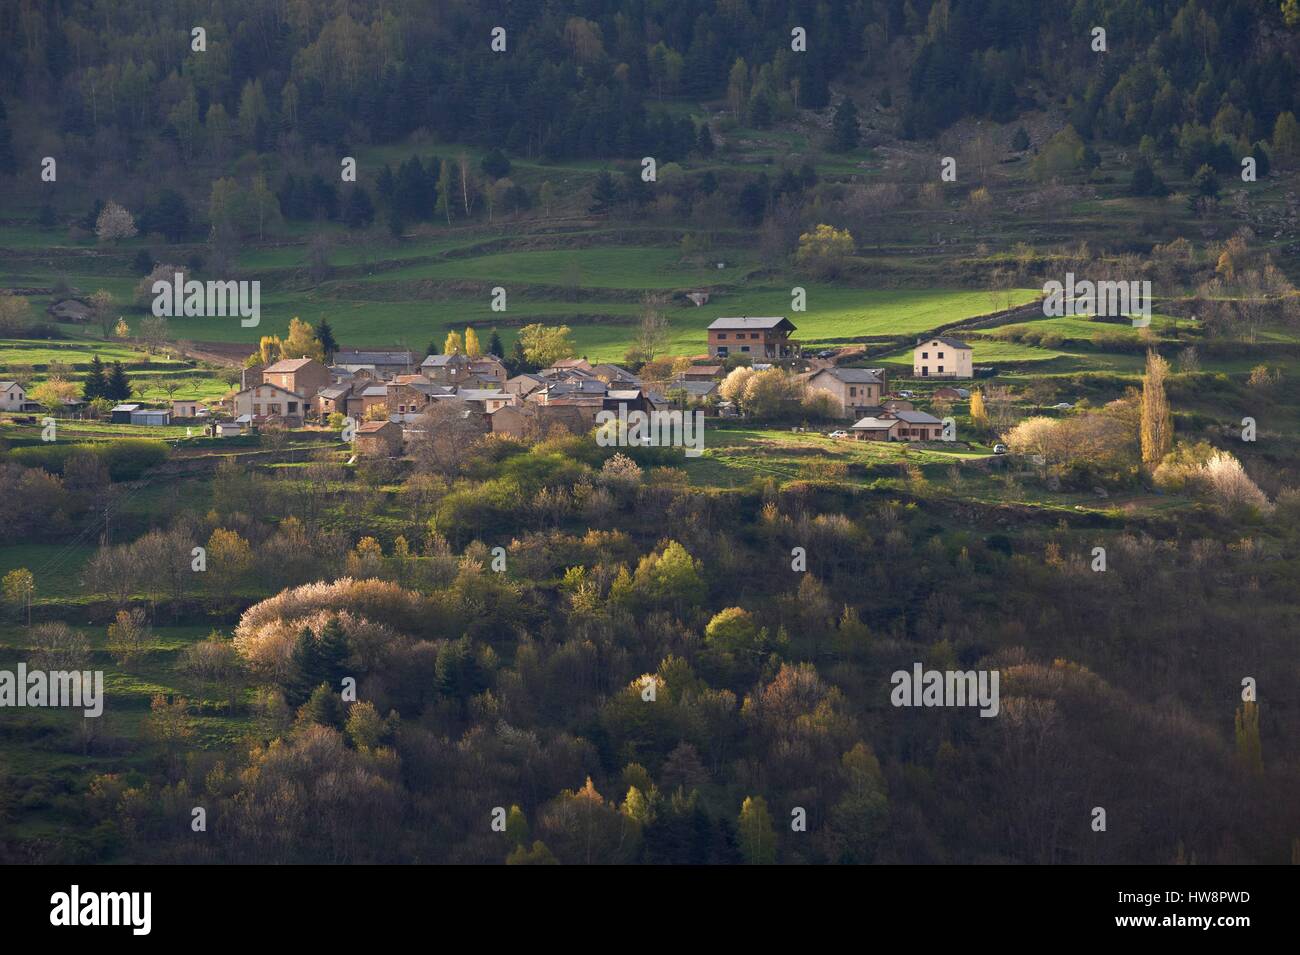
(383, 393)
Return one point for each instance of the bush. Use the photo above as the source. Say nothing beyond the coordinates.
(125, 459)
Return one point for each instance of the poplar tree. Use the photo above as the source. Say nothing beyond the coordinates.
(1157, 426)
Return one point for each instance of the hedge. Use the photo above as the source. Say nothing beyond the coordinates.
(125, 459)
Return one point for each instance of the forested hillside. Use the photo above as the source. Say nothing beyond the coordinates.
(558, 650)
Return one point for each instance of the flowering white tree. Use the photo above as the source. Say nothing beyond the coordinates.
(114, 223)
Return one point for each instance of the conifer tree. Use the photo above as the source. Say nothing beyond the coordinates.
(95, 383)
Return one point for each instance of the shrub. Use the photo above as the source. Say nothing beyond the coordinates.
(125, 459)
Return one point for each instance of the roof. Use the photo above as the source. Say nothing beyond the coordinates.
(375, 391)
(126, 407)
(572, 363)
(6, 385)
(614, 371)
(696, 389)
(437, 361)
(370, 427)
(348, 356)
(915, 417)
(334, 392)
(585, 386)
(703, 370)
(749, 324)
(876, 424)
(623, 394)
(950, 342)
(287, 365)
(482, 394)
(856, 376)
(268, 384)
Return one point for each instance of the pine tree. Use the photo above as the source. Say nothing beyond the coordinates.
(325, 335)
(846, 133)
(1157, 426)
(604, 194)
(306, 668)
(119, 386)
(704, 141)
(95, 383)
(432, 349)
(494, 345)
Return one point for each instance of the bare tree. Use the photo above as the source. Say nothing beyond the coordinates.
(445, 436)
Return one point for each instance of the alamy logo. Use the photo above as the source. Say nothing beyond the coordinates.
(195, 299)
(1103, 299)
(923, 687)
(103, 908)
(83, 688)
(656, 429)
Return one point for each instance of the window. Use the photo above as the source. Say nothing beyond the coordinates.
(744, 348)
(925, 354)
(722, 336)
(853, 392)
(939, 355)
(925, 371)
(293, 407)
(941, 369)
(753, 335)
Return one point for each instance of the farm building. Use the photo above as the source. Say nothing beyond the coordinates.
(758, 337)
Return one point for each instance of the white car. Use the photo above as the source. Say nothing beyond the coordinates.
(999, 449)
(1063, 406)
(907, 394)
(838, 434)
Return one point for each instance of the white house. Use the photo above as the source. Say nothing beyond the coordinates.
(270, 401)
(942, 357)
(12, 396)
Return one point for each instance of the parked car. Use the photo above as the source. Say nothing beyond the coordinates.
(999, 449)
(838, 434)
(826, 354)
(907, 394)
(1063, 406)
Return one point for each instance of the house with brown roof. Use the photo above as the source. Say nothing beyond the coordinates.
(756, 337)
(854, 390)
(306, 376)
(569, 364)
(898, 426)
(379, 439)
(702, 372)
